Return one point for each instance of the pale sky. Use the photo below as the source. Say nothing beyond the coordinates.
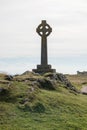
(20, 44)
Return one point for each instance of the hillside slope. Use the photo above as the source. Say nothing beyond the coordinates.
(26, 104)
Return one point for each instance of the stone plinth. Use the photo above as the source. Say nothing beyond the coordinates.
(44, 69)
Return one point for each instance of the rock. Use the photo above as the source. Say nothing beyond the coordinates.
(47, 84)
(66, 82)
(62, 79)
(9, 77)
(84, 90)
(48, 81)
(52, 76)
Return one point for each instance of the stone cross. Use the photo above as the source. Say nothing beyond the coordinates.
(44, 30)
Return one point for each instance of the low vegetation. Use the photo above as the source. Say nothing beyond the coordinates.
(28, 103)
(78, 80)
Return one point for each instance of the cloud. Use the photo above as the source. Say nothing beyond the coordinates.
(18, 37)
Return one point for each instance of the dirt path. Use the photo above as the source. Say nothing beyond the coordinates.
(84, 89)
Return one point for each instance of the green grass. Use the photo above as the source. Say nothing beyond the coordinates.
(78, 80)
(42, 109)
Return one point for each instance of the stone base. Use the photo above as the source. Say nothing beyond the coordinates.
(44, 69)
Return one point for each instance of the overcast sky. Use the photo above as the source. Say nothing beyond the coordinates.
(20, 44)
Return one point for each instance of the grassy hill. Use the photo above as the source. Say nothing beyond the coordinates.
(25, 105)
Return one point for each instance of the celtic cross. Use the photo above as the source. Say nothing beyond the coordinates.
(44, 30)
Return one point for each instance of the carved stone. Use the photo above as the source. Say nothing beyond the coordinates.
(44, 30)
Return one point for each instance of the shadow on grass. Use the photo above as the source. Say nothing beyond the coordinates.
(5, 95)
(36, 108)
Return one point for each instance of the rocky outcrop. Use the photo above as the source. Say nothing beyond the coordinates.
(49, 81)
(9, 77)
(61, 78)
(47, 84)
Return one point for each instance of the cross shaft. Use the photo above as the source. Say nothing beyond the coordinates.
(44, 30)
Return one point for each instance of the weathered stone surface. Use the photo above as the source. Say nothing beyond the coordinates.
(25, 79)
(9, 77)
(66, 82)
(41, 69)
(62, 79)
(52, 76)
(47, 84)
(44, 30)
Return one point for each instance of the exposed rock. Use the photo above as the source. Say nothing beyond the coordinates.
(66, 82)
(84, 90)
(9, 77)
(47, 81)
(26, 79)
(52, 76)
(47, 84)
(62, 79)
